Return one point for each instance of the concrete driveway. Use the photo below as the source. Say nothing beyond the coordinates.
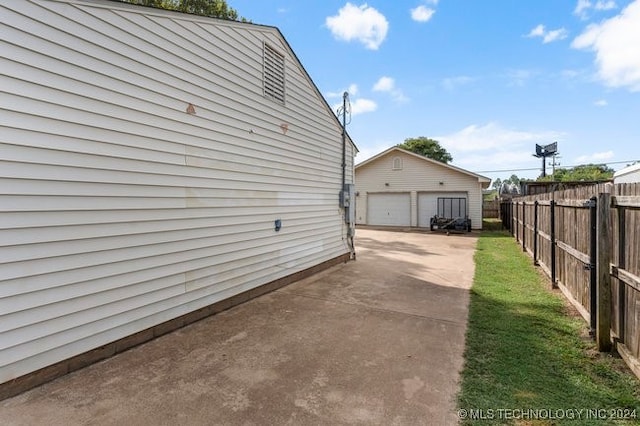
(378, 341)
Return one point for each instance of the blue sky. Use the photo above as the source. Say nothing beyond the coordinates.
(488, 79)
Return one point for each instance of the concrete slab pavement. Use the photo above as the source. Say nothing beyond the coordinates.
(378, 341)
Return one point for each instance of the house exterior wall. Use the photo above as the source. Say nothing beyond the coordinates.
(416, 176)
(630, 174)
(122, 206)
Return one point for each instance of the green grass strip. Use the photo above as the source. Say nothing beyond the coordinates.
(529, 355)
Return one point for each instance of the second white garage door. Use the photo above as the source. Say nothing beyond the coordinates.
(428, 206)
(389, 209)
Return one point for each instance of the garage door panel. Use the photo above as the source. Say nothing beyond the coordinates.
(428, 205)
(389, 209)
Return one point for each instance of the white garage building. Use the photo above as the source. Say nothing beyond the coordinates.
(630, 174)
(401, 188)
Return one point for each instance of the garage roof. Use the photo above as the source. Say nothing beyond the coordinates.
(483, 180)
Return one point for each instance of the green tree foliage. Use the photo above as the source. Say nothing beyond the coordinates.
(210, 8)
(513, 179)
(586, 172)
(427, 147)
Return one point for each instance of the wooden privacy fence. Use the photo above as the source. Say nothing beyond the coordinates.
(587, 240)
(491, 209)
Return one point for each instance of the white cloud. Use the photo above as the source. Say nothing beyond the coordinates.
(498, 160)
(356, 105)
(548, 36)
(605, 5)
(359, 106)
(384, 84)
(352, 90)
(331, 95)
(492, 146)
(422, 13)
(584, 6)
(493, 136)
(362, 23)
(616, 42)
(588, 38)
(388, 85)
(595, 157)
(451, 83)
(399, 97)
(519, 77)
(601, 103)
(537, 31)
(559, 34)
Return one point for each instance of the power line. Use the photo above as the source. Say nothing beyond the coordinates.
(565, 167)
(506, 170)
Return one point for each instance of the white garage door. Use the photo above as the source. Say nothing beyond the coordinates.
(389, 209)
(428, 205)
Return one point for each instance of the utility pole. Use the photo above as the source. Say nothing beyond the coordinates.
(554, 163)
(345, 99)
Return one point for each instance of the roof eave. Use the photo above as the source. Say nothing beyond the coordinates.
(481, 179)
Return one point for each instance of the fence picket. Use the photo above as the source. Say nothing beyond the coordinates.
(556, 230)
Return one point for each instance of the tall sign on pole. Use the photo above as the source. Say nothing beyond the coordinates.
(544, 152)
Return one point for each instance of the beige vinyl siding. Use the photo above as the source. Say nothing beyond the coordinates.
(630, 174)
(118, 209)
(416, 176)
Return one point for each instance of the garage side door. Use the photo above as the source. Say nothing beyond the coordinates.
(428, 204)
(389, 209)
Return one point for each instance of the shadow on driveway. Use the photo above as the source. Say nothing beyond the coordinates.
(375, 341)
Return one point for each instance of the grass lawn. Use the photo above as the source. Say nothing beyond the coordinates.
(529, 354)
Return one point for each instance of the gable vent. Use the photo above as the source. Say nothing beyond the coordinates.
(273, 74)
(397, 163)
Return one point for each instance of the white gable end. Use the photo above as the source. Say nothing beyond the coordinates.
(421, 181)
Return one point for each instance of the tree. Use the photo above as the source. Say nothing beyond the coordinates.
(210, 8)
(514, 179)
(585, 172)
(497, 183)
(427, 147)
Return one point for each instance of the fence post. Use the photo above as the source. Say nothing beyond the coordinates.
(504, 211)
(524, 226)
(593, 259)
(515, 222)
(622, 294)
(603, 323)
(553, 244)
(535, 233)
(511, 216)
